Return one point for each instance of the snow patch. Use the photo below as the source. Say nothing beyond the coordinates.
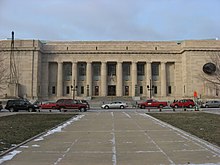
(59, 128)
(9, 156)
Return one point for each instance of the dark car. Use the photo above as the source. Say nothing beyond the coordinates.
(64, 104)
(1, 107)
(19, 104)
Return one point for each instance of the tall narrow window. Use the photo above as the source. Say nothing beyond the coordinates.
(169, 89)
(111, 69)
(82, 89)
(53, 90)
(82, 69)
(126, 69)
(155, 89)
(141, 89)
(140, 69)
(67, 90)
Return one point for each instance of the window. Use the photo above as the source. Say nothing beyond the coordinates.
(140, 69)
(111, 69)
(155, 89)
(82, 69)
(53, 90)
(82, 89)
(67, 71)
(126, 69)
(141, 89)
(67, 90)
(155, 69)
(169, 89)
(96, 69)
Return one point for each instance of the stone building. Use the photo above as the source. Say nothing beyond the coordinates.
(89, 69)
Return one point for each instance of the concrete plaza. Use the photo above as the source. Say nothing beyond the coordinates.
(115, 138)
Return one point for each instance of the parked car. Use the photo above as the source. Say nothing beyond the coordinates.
(211, 104)
(1, 107)
(84, 102)
(185, 103)
(48, 105)
(64, 104)
(152, 103)
(20, 104)
(115, 104)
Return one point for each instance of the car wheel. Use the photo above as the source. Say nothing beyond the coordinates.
(122, 107)
(175, 106)
(206, 106)
(190, 106)
(142, 107)
(106, 107)
(82, 109)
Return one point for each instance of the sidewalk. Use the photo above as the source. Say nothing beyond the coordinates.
(115, 138)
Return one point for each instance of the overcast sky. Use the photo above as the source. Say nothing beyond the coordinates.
(95, 20)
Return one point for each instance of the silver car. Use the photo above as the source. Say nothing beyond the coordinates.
(212, 104)
(115, 104)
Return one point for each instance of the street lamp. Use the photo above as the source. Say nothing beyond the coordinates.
(74, 88)
(150, 88)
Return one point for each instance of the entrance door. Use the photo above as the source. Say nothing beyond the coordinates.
(111, 90)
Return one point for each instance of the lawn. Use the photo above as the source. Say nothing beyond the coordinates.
(15, 129)
(203, 125)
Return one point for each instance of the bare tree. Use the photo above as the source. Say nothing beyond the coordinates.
(4, 74)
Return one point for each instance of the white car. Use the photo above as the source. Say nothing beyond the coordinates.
(115, 104)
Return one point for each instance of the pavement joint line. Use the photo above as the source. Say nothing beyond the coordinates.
(169, 159)
(210, 147)
(67, 151)
(114, 159)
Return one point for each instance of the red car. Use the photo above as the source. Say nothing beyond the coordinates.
(152, 103)
(64, 104)
(185, 103)
(48, 105)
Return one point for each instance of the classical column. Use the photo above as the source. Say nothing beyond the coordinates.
(163, 79)
(60, 79)
(45, 80)
(134, 78)
(89, 79)
(119, 79)
(148, 75)
(103, 79)
(74, 77)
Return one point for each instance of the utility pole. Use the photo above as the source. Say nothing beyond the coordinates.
(150, 88)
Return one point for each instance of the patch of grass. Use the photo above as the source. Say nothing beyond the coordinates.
(203, 125)
(15, 129)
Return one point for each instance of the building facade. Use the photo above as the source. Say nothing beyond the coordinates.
(89, 69)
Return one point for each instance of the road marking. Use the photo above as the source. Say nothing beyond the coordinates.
(127, 115)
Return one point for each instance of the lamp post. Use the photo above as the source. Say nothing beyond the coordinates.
(74, 88)
(150, 88)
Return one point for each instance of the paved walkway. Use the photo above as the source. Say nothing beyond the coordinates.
(114, 138)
